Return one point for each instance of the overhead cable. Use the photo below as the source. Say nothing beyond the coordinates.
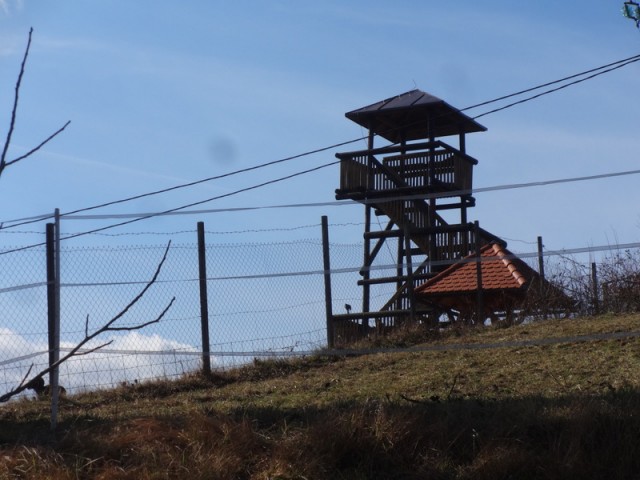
(561, 87)
(614, 65)
(135, 217)
(548, 84)
(340, 203)
(218, 197)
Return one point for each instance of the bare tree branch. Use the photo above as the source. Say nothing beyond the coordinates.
(107, 327)
(34, 150)
(12, 124)
(26, 375)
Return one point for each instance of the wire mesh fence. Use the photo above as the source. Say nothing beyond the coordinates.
(265, 299)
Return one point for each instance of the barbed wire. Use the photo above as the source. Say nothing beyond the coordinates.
(563, 253)
(192, 231)
(135, 217)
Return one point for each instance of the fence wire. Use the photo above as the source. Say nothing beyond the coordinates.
(265, 299)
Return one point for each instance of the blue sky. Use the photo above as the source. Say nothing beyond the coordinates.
(161, 92)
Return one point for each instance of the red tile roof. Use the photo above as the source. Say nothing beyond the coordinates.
(501, 270)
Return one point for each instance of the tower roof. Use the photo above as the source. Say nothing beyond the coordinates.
(411, 116)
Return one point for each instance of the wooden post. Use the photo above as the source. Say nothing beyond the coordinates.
(400, 269)
(408, 259)
(366, 273)
(327, 281)
(433, 237)
(480, 299)
(594, 283)
(204, 300)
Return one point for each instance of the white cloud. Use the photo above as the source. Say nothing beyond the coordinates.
(7, 6)
(130, 358)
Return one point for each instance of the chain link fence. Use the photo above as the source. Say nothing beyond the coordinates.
(265, 298)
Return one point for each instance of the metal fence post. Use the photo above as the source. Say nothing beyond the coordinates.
(594, 281)
(327, 281)
(51, 296)
(204, 301)
(541, 272)
(53, 305)
(540, 258)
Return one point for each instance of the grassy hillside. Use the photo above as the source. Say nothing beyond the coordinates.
(515, 410)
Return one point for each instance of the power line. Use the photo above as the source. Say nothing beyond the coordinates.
(172, 210)
(614, 65)
(339, 203)
(176, 209)
(618, 64)
(135, 217)
(548, 84)
(547, 92)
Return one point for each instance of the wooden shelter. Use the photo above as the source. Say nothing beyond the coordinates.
(497, 283)
(422, 186)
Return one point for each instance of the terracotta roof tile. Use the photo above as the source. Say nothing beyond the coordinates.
(501, 270)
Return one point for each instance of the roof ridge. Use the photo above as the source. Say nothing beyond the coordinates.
(501, 253)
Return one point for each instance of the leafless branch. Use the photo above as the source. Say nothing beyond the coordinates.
(12, 124)
(26, 375)
(107, 327)
(91, 350)
(42, 144)
(4, 163)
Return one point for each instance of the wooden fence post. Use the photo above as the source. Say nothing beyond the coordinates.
(204, 301)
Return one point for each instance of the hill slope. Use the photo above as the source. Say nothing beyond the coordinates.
(489, 403)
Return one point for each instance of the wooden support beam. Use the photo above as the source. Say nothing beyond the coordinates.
(376, 249)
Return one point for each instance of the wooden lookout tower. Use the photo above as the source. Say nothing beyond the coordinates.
(422, 186)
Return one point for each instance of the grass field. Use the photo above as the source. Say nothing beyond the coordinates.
(561, 410)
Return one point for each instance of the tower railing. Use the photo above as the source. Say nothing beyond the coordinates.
(421, 167)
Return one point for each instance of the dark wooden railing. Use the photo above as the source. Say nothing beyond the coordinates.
(435, 167)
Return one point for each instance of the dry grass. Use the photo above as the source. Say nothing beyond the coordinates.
(556, 411)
